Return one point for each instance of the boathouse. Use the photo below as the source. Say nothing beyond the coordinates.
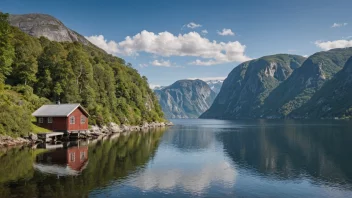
(62, 117)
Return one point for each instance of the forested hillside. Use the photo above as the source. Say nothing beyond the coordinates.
(34, 71)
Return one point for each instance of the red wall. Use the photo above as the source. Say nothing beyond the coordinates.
(59, 124)
(77, 163)
(63, 123)
(77, 126)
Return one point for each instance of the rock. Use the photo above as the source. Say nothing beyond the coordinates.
(104, 129)
(114, 128)
(169, 124)
(95, 129)
(185, 98)
(125, 128)
(38, 25)
(33, 137)
(145, 125)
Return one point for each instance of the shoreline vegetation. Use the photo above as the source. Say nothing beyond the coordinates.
(95, 132)
(35, 71)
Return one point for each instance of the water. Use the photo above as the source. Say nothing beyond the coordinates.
(195, 158)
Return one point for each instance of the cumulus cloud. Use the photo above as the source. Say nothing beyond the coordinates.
(166, 44)
(143, 65)
(328, 45)
(335, 25)
(305, 56)
(161, 63)
(204, 32)
(226, 32)
(153, 86)
(193, 25)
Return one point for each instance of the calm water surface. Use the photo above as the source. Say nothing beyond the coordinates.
(195, 158)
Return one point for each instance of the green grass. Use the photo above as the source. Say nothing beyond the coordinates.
(37, 129)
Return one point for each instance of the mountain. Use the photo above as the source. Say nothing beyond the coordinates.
(333, 99)
(185, 98)
(36, 71)
(215, 85)
(304, 82)
(247, 86)
(38, 25)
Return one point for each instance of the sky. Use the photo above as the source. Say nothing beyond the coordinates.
(171, 40)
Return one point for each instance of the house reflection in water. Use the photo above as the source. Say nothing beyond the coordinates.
(64, 161)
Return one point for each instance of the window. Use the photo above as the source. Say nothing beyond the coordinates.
(50, 120)
(72, 120)
(83, 119)
(72, 157)
(83, 156)
(40, 120)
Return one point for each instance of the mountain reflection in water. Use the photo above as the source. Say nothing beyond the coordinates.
(195, 158)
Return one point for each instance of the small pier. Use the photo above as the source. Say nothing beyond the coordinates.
(50, 137)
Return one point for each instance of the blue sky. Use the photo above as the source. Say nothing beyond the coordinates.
(162, 47)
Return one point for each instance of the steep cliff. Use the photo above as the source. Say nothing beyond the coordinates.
(332, 100)
(304, 82)
(185, 98)
(248, 85)
(38, 25)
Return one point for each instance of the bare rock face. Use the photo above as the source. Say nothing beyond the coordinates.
(185, 98)
(38, 25)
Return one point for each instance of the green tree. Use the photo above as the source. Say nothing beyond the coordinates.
(6, 49)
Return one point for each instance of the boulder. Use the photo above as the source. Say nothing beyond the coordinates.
(94, 129)
(104, 129)
(125, 128)
(33, 137)
(114, 128)
(145, 125)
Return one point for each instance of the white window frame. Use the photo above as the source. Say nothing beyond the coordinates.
(40, 120)
(50, 120)
(72, 120)
(72, 157)
(83, 119)
(82, 156)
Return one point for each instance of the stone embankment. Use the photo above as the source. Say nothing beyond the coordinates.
(111, 128)
(92, 133)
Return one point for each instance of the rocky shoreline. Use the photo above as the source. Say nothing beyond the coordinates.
(93, 133)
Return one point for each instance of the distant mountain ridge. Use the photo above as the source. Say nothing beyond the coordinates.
(185, 98)
(215, 85)
(287, 86)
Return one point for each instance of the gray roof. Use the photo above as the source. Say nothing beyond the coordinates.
(57, 110)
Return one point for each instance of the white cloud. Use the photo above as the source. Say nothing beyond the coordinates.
(328, 45)
(305, 56)
(204, 32)
(153, 86)
(335, 25)
(209, 78)
(193, 25)
(143, 65)
(166, 44)
(226, 32)
(161, 63)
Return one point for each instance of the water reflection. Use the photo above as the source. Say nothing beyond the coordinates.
(188, 138)
(189, 159)
(293, 150)
(109, 160)
(64, 161)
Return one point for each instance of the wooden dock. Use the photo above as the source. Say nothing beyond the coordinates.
(52, 136)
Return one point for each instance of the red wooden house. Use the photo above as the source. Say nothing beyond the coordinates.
(62, 117)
